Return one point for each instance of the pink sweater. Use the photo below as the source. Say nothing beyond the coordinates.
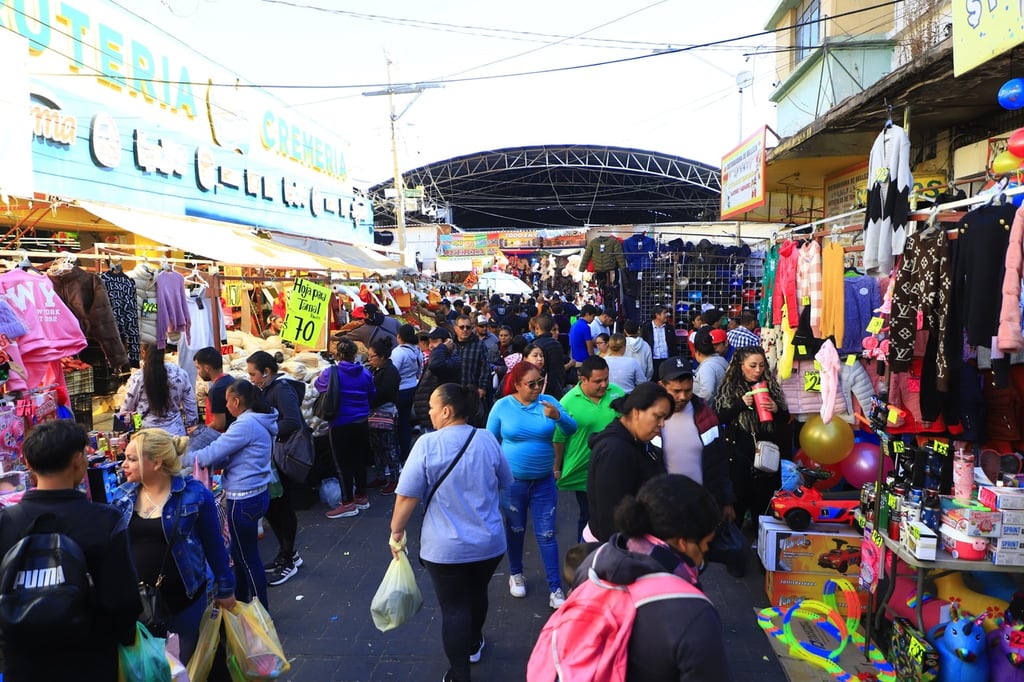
(53, 330)
(785, 285)
(1010, 339)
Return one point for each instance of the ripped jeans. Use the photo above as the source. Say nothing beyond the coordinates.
(540, 497)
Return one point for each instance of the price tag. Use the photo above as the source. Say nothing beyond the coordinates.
(914, 385)
(851, 359)
(817, 365)
(893, 416)
(898, 447)
(940, 447)
(875, 325)
(812, 381)
(876, 538)
(148, 307)
(892, 501)
(801, 350)
(306, 313)
(1017, 639)
(915, 649)
(806, 300)
(882, 175)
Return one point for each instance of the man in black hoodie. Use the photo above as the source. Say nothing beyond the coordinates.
(55, 453)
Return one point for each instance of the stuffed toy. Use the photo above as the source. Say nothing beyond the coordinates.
(961, 645)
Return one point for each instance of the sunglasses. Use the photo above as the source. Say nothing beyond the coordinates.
(535, 384)
(464, 326)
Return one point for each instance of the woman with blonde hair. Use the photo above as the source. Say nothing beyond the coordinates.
(173, 532)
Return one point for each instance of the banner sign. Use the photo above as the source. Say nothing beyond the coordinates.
(743, 176)
(845, 190)
(983, 30)
(306, 313)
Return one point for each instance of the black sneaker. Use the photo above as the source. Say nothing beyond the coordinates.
(282, 574)
(279, 560)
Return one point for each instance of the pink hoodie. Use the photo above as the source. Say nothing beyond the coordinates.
(785, 285)
(1010, 339)
(53, 330)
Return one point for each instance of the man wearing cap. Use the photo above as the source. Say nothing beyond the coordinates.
(690, 438)
(709, 343)
(483, 332)
(589, 403)
(443, 366)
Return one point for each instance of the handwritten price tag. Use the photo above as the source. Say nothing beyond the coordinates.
(812, 381)
(893, 416)
(851, 359)
(940, 447)
(898, 447)
(875, 325)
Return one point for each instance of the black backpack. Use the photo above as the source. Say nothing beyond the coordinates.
(46, 590)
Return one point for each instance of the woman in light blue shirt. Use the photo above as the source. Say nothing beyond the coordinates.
(461, 542)
(524, 423)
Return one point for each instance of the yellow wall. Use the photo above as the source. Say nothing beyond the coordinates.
(874, 22)
(784, 58)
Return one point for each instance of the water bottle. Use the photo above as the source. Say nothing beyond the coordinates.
(963, 475)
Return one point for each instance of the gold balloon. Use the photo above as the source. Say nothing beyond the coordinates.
(1005, 162)
(826, 443)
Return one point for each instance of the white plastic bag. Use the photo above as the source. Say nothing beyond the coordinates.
(330, 492)
(398, 598)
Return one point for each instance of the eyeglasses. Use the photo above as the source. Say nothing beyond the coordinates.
(535, 384)
(464, 326)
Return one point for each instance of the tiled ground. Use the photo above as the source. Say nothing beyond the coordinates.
(322, 615)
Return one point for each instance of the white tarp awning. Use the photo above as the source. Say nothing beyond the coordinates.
(351, 254)
(216, 240)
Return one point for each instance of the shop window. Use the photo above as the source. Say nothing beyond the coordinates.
(808, 29)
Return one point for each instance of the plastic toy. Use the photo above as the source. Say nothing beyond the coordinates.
(842, 557)
(961, 645)
(952, 587)
(800, 507)
(1006, 652)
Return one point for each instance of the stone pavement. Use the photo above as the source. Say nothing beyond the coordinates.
(322, 614)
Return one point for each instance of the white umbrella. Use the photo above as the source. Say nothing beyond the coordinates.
(503, 283)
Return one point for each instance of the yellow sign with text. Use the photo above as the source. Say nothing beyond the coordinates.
(983, 29)
(306, 313)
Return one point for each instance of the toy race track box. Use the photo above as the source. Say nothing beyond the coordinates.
(914, 659)
(784, 588)
(829, 549)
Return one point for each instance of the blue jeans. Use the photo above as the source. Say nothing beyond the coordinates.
(541, 498)
(243, 518)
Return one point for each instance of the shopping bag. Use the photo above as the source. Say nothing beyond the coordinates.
(254, 651)
(398, 598)
(206, 646)
(143, 661)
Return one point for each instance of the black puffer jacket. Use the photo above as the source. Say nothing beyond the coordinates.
(619, 465)
(285, 395)
(673, 640)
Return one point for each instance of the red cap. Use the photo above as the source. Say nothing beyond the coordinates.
(718, 336)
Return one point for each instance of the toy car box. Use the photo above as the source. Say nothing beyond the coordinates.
(1001, 498)
(784, 588)
(823, 548)
(963, 546)
(973, 519)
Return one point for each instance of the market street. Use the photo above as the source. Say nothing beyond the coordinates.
(322, 615)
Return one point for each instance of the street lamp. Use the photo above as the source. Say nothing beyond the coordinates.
(392, 90)
(744, 79)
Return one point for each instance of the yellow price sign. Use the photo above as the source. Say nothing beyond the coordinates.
(812, 380)
(851, 359)
(306, 313)
(893, 416)
(940, 447)
(898, 447)
(875, 325)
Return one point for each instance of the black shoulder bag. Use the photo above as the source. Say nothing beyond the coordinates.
(155, 612)
(447, 471)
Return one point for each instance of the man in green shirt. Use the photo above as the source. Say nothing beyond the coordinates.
(589, 403)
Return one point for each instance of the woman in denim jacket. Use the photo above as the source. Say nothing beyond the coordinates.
(159, 504)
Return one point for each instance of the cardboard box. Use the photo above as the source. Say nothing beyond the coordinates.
(1001, 498)
(786, 587)
(1010, 543)
(1004, 557)
(974, 522)
(831, 549)
(912, 657)
(920, 541)
(1012, 517)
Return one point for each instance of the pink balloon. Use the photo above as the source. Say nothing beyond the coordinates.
(861, 466)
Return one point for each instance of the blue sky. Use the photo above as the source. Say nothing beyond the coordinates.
(685, 104)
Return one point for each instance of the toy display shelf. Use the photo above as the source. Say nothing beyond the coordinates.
(944, 564)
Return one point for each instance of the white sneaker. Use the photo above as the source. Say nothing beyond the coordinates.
(517, 585)
(475, 656)
(556, 599)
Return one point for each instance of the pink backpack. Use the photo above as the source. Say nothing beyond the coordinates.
(587, 639)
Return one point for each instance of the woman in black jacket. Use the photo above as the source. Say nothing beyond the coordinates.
(622, 458)
(741, 427)
(384, 416)
(666, 528)
(284, 395)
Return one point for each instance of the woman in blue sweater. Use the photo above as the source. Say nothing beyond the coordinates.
(524, 423)
(243, 452)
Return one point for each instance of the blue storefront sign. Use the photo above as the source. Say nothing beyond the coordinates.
(123, 114)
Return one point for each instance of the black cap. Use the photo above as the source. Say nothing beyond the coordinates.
(673, 369)
(440, 333)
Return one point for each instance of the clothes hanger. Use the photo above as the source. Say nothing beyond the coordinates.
(165, 265)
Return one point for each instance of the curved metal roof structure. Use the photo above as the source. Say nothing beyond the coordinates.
(561, 186)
